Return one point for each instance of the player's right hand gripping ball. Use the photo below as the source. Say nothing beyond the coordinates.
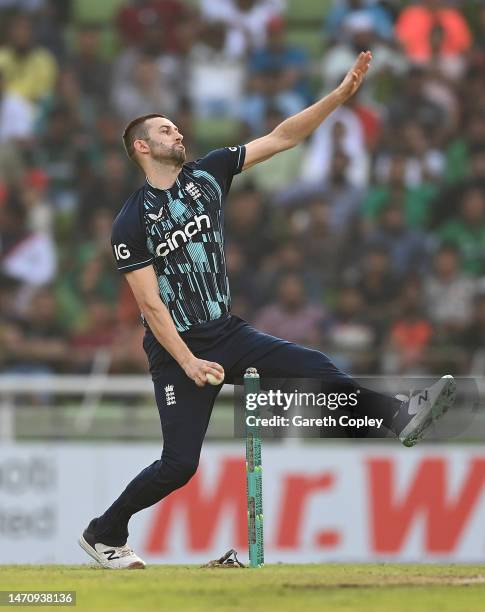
(213, 380)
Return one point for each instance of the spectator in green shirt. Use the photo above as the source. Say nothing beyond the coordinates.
(416, 198)
(467, 232)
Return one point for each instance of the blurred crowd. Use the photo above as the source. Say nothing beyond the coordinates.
(367, 241)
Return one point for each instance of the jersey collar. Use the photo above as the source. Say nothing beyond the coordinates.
(177, 184)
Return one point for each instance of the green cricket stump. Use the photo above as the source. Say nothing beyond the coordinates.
(254, 477)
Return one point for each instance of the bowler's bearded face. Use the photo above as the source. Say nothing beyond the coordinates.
(165, 142)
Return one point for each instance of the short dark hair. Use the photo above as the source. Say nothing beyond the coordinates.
(448, 247)
(137, 129)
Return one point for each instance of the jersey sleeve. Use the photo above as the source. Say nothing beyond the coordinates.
(223, 164)
(128, 239)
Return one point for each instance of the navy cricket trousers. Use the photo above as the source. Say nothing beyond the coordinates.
(185, 409)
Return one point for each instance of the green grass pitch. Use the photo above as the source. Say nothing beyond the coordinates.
(335, 587)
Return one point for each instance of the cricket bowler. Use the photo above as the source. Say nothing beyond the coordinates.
(168, 241)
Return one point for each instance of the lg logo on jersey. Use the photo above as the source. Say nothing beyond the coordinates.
(121, 251)
(181, 236)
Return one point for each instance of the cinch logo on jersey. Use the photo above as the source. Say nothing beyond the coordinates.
(181, 236)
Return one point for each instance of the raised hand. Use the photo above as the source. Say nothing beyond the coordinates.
(355, 76)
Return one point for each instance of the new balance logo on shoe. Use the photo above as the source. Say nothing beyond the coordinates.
(170, 395)
(110, 554)
(416, 400)
(423, 396)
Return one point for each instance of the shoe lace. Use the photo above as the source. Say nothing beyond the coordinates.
(402, 397)
(125, 551)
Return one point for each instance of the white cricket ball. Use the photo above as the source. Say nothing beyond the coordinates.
(213, 380)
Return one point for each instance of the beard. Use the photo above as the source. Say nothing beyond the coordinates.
(174, 155)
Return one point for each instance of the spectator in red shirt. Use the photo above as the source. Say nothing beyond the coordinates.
(410, 334)
(98, 334)
(417, 25)
(137, 15)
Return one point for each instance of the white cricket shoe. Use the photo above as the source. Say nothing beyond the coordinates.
(110, 557)
(422, 408)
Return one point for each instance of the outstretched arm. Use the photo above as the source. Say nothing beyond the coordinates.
(295, 129)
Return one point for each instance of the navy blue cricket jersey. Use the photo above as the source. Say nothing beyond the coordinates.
(180, 232)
